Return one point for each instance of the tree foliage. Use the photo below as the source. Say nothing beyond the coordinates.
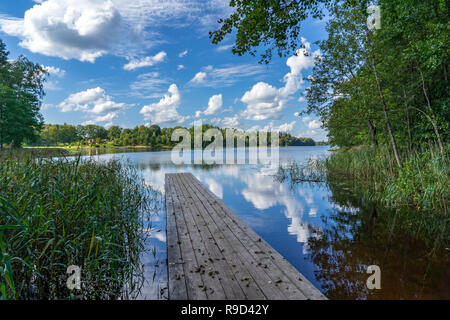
(153, 136)
(21, 92)
(272, 24)
(389, 85)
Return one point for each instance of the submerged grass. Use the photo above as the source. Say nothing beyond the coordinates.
(57, 213)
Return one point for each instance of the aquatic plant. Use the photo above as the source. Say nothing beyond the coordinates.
(57, 213)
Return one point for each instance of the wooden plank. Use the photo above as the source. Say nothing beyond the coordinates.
(177, 289)
(219, 267)
(212, 286)
(274, 258)
(219, 256)
(194, 280)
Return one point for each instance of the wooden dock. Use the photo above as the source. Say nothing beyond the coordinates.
(213, 255)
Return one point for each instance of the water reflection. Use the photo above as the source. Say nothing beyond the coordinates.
(322, 229)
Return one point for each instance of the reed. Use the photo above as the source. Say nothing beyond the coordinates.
(421, 184)
(56, 213)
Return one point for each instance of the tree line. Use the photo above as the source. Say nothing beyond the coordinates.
(153, 136)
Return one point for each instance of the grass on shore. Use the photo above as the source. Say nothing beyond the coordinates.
(57, 213)
(422, 183)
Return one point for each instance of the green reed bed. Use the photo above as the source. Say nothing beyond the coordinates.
(423, 183)
(57, 213)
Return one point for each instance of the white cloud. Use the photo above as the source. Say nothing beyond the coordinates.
(311, 123)
(149, 85)
(267, 102)
(227, 122)
(72, 29)
(199, 78)
(165, 111)
(88, 29)
(54, 71)
(225, 47)
(285, 127)
(314, 124)
(263, 103)
(180, 67)
(95, 102)
(145, 62)
(215, 104)
(225, 76)
(183, 54)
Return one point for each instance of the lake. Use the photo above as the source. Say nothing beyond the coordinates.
(323, 230)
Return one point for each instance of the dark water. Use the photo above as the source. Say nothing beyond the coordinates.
(324, 230)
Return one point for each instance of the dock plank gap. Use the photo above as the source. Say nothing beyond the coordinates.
(213, 255)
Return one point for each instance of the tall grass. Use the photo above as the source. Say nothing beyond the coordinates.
(57, 213)
(423, 183)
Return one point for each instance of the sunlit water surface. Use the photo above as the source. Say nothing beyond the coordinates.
(326, 234)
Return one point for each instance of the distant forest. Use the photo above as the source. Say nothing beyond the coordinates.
(153, 136)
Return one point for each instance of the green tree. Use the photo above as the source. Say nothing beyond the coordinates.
(272, 24)
(21, 92)
(114, 132)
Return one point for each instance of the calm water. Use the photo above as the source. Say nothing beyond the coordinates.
(327, 233)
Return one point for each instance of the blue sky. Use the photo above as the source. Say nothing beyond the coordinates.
(128, 63)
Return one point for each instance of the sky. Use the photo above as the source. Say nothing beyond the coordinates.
(144, 62)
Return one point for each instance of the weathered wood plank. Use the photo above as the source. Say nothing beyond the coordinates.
(177, 289)
(212, 286)
(219, 256)
(194, 280)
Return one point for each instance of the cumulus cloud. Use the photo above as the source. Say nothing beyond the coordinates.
(145, 62)
(266, 102)
(215, 104)
(72, 29)
(180, 67)
(94, 102)
(165, 111)
(88, 29)
(263, 102)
